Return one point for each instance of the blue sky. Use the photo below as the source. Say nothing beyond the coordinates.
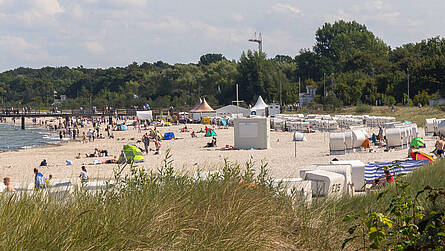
(104, 33)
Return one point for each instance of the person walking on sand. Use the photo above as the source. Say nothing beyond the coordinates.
(83, 176)
(90, 135)
(146, 141)
(39, 180)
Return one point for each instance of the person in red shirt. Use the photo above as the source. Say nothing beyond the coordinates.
(389, 178)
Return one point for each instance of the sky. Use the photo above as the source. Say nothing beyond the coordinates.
(108, 33)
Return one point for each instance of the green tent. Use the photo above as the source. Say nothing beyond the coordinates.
(131, 153)
(417, 142)
(210, 133)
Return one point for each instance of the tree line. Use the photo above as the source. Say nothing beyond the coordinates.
(348, 64)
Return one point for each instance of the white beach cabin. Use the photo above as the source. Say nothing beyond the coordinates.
(357, 172)
(252, 133)
(325, 183)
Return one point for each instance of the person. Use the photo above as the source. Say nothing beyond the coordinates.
(193, 134)
(43, 163)
(84, 138)
(39, 180)
(380, 135)
(146, 141)
(439, 147)
(48, 181)
(374, 138)
(112, 161)
(90, 134)
(212, 144)
(9, 187)
(158, 147)
(83, 175)
(389, 178)
(410, 151)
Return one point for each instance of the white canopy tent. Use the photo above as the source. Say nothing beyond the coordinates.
(259, 108)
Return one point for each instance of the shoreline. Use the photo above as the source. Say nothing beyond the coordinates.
(33, 127)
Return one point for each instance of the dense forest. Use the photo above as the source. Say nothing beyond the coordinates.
(348, 64)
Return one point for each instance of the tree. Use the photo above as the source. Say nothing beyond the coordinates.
(210, 58)
(344, 46)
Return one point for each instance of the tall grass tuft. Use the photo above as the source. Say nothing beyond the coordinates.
(237, 208)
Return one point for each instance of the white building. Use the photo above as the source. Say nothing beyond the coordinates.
(306, 98)
(274, 109)
(230, 110)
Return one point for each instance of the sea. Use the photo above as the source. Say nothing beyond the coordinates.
(12, 137)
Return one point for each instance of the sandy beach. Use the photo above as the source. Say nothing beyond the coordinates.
(188, 154)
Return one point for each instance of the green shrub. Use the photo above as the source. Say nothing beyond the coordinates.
(362, 108)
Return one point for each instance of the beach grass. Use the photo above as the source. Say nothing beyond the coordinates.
(235, 209)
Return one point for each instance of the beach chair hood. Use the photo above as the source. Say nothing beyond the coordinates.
(417, 142)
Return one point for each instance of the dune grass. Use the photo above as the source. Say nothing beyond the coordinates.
(235, 209)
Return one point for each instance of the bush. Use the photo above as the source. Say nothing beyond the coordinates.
(421, 98)
(362, 108)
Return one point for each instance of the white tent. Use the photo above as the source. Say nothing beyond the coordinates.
(259, 108)
(229, 110)
(144, 115)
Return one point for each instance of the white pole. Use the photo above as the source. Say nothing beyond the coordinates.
(299, 90)
(237, 101)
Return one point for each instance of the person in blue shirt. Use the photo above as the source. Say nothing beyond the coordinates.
(39, 180)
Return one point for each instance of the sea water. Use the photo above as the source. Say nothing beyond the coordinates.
(14, 138)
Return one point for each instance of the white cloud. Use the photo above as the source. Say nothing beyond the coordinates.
(65, 32)
(281, 7)
(15, 46)
(41, 9)
(15, 43)
(94, 47)
(378, 4)
(129, 3)
(237, 17)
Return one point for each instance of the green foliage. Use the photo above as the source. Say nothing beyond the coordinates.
(421, 98)
(210, 58)
(404, 225)
(362, 108)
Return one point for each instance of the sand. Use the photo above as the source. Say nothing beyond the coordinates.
(188, 154)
